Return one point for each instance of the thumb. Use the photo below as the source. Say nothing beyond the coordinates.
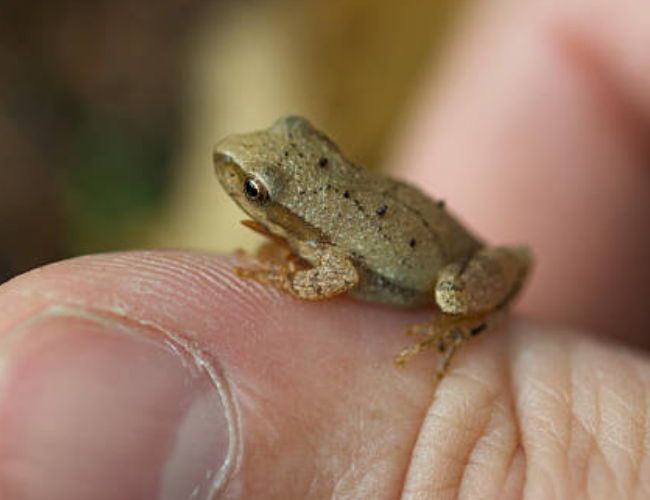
(147, 375)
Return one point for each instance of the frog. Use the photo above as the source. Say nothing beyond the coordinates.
(335, 228)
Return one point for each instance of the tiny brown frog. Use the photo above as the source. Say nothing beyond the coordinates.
(336, 228)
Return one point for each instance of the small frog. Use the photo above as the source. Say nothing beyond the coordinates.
(337, 228)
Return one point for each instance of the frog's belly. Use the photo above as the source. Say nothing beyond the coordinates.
(374, 287)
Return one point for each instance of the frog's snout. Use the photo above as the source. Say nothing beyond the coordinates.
(220, 159)
(224, 168)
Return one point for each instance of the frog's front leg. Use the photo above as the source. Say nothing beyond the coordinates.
(468, 297)
(333, 274)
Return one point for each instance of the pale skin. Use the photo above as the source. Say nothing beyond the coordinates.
(338, 229)
(534, 410)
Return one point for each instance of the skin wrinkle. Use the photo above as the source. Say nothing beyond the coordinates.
(588, 416)
(630, 455)
(540, 439)
(384, 461)
(485, 441)
(518, 437)
(555, 433)
(358, 449)
(355, 475)
(178, 268)
(565, 399)
(412, 447)
(570, 384)
(219, 276)
(646, 444)
(517, 450)
(637, 459)
(342, 471)
(404, 494)
(549, 429)
(568, 393)
(612, 440)
(593, 442)
(462, 462)
(516, 414)
(179, 271)
(583, 485)
(598, 436)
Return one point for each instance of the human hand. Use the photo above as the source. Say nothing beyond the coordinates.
(154, 373)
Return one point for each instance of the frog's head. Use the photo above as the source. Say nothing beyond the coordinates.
(263, 170)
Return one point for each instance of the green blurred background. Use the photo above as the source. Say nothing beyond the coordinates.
(109, 109)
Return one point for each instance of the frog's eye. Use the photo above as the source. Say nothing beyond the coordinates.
(256, 191)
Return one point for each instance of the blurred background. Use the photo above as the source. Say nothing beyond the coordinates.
(109, 109)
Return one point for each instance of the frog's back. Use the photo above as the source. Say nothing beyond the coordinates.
(399, 237)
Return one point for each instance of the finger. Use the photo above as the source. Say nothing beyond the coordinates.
(538, 134)
(294, 399)
(160, 375)
(536, 413)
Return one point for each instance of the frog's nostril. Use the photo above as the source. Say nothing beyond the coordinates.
(221, 159)
(218, 156)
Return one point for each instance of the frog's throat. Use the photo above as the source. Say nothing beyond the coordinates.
(290, 226)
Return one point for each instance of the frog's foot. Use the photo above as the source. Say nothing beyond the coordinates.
(280, 254)
(272, 254)
(273, 264)
(446, 334)
(333, 276)
(266, 273)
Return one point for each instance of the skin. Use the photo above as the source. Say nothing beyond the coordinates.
(539, 410)
(337, 228)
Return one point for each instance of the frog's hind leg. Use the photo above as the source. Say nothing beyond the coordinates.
(469, 297)
(490, 279)
(446, 334)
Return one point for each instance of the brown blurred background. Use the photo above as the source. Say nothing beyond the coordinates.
(108, 110)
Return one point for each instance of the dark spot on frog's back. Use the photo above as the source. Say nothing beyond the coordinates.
(346, 194)
(322, 162)
(381, 211)
(412, 243)
(441, 203)
(357, 256)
